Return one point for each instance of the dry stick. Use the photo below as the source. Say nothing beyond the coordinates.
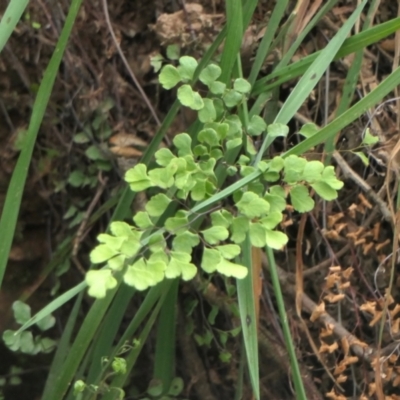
(366, 353)
(124, 60)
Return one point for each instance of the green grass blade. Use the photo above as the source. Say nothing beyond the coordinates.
(371, 99)
(248, 317)
(79, 347)
(119, 380)
(10, 20)
(313, 74)
(54, 305)
(103, 345)
(12, 202)
(264, 48)
(296, 44)
(63, 345)
(350, 84)
(351, 45)
(233, 39)
(298, 382)
(164, 359)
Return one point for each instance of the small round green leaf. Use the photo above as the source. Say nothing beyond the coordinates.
(275, 239)
(215, 234)
(300, 198)
(169, 77)
(137, 178)
(99, 282)
(190, 98)
(187, 67)
(241, 85)
(210, 74)
(157, 205)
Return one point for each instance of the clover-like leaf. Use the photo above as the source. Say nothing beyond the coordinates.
(229, 268)
(329, 177)
(325, 191)
(313, 171)
(233, 143)
(369, 139)
(180, 265)
(22, 341)
(187, 67)
(308, 130)
(294, 167)
(239, 228)
(137, 178)
(271, 220)
(141, 276)
(102, 253)
(185, 241)
(208, 136)
(164, 156)
(210, 259)
(22, 311)
(46, 323)
(121, 229)
(232, 98)
(169, 77)
(112, 242)
(241, 85)
(217, 88)
(275, 239)
(215, 234)
(198, 192)
(99, 282)
(277, 130)
(256, 126)
(252, 206)
(210, 74)
(300, 198)
(117, 263)
(183, 143)
(276, 203)
(142, 220)
(157, 242)
(229, 251)
(189, 98)
(257, 235)
(221, 218)
(176, 224)
(208, 112)
(157, 205)
(163, 177)
(173, 51)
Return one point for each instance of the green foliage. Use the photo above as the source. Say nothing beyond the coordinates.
(25, 341)
(142, 252)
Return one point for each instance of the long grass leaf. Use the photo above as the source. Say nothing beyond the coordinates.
(265, 45)
(298, 383)
(15, 190)
(248, 317)
(10, 20)
(164, 358)
(313, 74)
(351, 45)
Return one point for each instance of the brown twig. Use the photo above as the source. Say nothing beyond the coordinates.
(125, 61)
